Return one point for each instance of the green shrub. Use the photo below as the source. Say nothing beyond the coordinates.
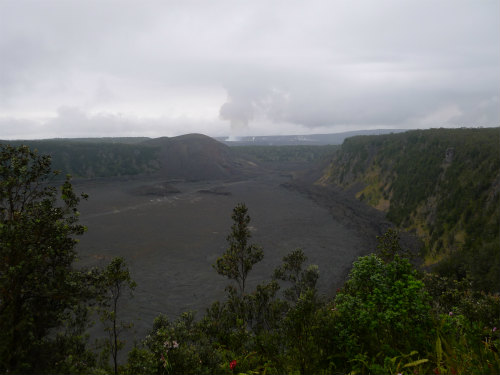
(383, 307)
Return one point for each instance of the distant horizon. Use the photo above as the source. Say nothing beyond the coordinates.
(399, 130)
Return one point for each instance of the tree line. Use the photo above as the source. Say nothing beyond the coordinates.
(94, 158)
(388, 318)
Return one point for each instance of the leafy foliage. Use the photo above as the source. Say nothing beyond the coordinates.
(240, 256)
(39, 289)
(83, 158)
(384, 305)
(291, 271)
(180, 347)
(441, 183)
(387, 319)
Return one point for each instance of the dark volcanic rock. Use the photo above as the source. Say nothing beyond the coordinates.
(215, 191)
(160, 189)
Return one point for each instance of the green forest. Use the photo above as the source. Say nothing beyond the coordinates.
(388, 318)
(297, 153)
(442, 184)
(91, 158)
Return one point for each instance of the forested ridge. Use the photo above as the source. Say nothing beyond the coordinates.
(189, 157)
(91, 158)
(388, 317)
(442, 184)
(286, 153)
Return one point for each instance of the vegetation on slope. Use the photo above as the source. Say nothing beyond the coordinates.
(444, 184)
(191, 157)
(87, 159)
(285, 153)
(387, 319)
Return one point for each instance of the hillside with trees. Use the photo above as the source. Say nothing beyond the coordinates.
(442, 184)
(303, 154)
(190, 157)
(388, 317)
(84, 158)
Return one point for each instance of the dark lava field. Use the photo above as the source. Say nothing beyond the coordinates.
(171, 233)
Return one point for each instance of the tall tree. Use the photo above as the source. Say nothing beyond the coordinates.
(115, 281)
(38, 285)
(292, 271)
(240, 256)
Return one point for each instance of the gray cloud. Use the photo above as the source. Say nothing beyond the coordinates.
(74, 122)
(253, 68)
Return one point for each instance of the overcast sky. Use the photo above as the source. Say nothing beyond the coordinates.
(165, 68)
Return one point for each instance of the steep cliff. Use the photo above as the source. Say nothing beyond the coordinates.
(444, 184)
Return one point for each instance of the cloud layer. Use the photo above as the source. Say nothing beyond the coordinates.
(159, 68)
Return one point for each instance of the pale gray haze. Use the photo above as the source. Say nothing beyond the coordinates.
(163, 68)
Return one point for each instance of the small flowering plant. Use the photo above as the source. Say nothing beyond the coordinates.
(232, 365)
(170, 345)
(243, 363)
